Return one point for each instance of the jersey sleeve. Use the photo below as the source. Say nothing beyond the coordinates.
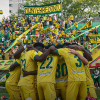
(62, 51)
(17, 61)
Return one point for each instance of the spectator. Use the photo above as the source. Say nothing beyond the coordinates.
(10, 56)
(3, 56)
(87, 33)
(95, 31)
(2, 48)
(96, 77)
(71, 18)
(3, 40)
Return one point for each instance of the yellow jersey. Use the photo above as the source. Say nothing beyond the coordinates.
(47, 70)
(89, 79)
(11, 37)
(27, 63)
(50, 19)
(25, 41)
(76, 24)
(14, 75)
(14, 36)
(71, 17)
(61, 72)
(76, 70)
(0, 51)
(65, 21)
(36, 19)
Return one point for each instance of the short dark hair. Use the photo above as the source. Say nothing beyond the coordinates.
(66, 44)
(47, 47)
(59, 46)
(38, 44)
(74, 43)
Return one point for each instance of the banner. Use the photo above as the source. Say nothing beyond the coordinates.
(5, 64)
(43, 9)
(94, 35)
(88, 24)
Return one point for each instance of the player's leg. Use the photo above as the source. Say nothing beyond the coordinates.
(83, 91)
(21, 91)
(49, 91)
(57, 87)
(72, 90)
(29, 92)
(63, 93)
(92, 92)
(58, 93)
(14, 92)
(40, 92)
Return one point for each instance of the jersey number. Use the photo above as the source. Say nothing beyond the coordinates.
(23, 61)
(80, 62)
(62, 72)
(50, 59)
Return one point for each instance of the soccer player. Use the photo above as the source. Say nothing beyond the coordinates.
(76, 73)
(61, 76)
(46, 76)
(90, 83)
(28, 63)
(12, 82)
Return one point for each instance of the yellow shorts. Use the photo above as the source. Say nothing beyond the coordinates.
(61, 90)
(76, 89)
(46, 91)
(28, 92)
(13, 92)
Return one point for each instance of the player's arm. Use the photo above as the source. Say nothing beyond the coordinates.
(87, 54)
(18, 52)
(83, 59)
(13, 66)
(54, 52)
(25, 73)
(44, 55)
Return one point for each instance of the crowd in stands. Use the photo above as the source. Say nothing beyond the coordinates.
(59, 31)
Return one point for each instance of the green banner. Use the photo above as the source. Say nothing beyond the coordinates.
(43, 9)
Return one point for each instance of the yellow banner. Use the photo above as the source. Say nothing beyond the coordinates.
(43, 9)
(94, 35)
(5, 64)
(88, 24)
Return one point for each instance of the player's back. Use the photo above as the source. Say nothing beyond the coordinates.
(47, 69)
(27, 63)
(14, 75)
(76, 70)
(61, 72)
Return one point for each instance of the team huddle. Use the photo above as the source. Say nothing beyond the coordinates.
(49, 73)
